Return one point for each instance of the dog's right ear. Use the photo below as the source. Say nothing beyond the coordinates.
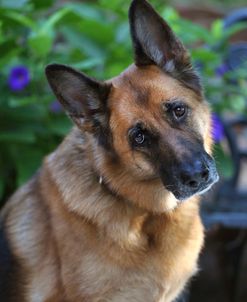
(153, 40)
(155, 43)
(83, 98)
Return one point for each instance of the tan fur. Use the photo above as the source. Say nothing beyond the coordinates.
(99, 221)
(79, 242)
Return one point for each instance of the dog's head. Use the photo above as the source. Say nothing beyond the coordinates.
(151, 121)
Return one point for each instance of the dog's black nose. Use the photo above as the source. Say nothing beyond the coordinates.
(192, 175)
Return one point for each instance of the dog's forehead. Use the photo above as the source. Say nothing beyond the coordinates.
(141, 89)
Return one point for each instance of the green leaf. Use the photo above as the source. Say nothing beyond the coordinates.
(21, 19)
(23, 136)
(8, 50)
(32, 113)
(217, 30)
(87, 45)
(122, 33)
(2, 38)
(27, 160)
(40, 43)
(194, 33)
(87, 64)
(170, 14)
(21, 101)
(53, 20)
(7, 46)
(41, 4)
(60, 125)
(1, 188)
(13, 3)
(204, 54)
(238, 103)
(86, 11)
(228, 32)
(223, 161)
(120, 6)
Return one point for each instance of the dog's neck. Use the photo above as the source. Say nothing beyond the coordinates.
(91, 166)
(148, 194)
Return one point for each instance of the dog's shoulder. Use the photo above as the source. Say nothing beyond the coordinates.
(21, 237)
(10, 270)
(11, 278)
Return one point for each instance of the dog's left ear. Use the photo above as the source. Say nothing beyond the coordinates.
(83, 98)
(155, 43)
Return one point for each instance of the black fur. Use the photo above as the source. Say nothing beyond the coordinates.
(84, 99)
(80, 95)
(11, 281)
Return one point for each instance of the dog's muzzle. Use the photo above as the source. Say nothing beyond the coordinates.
(192, 176)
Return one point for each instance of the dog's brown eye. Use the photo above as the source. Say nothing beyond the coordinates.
(139, 137)
(179, 111)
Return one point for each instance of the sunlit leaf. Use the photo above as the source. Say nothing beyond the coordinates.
(13, 3)
(217, 29)
(20, 18)
(238, 103)
(40, 43)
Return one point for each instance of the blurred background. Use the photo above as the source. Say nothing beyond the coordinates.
(93, 36)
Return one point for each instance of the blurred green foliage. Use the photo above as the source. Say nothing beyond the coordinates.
(94, 38)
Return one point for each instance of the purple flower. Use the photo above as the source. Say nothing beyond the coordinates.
(221, 70)
(19, 78)
(55, 107)
(217, 128)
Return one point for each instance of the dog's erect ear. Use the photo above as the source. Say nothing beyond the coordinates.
(155, 43)
(83, 98)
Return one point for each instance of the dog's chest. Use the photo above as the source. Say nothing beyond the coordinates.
(95, 278)
(103, 271)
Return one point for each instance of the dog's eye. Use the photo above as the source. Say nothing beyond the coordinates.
(139, 137)
(179, 111)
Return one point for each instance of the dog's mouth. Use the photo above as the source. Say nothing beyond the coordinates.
(182, 192)
(187, 181)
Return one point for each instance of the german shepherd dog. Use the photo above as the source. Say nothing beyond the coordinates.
(112, 215)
